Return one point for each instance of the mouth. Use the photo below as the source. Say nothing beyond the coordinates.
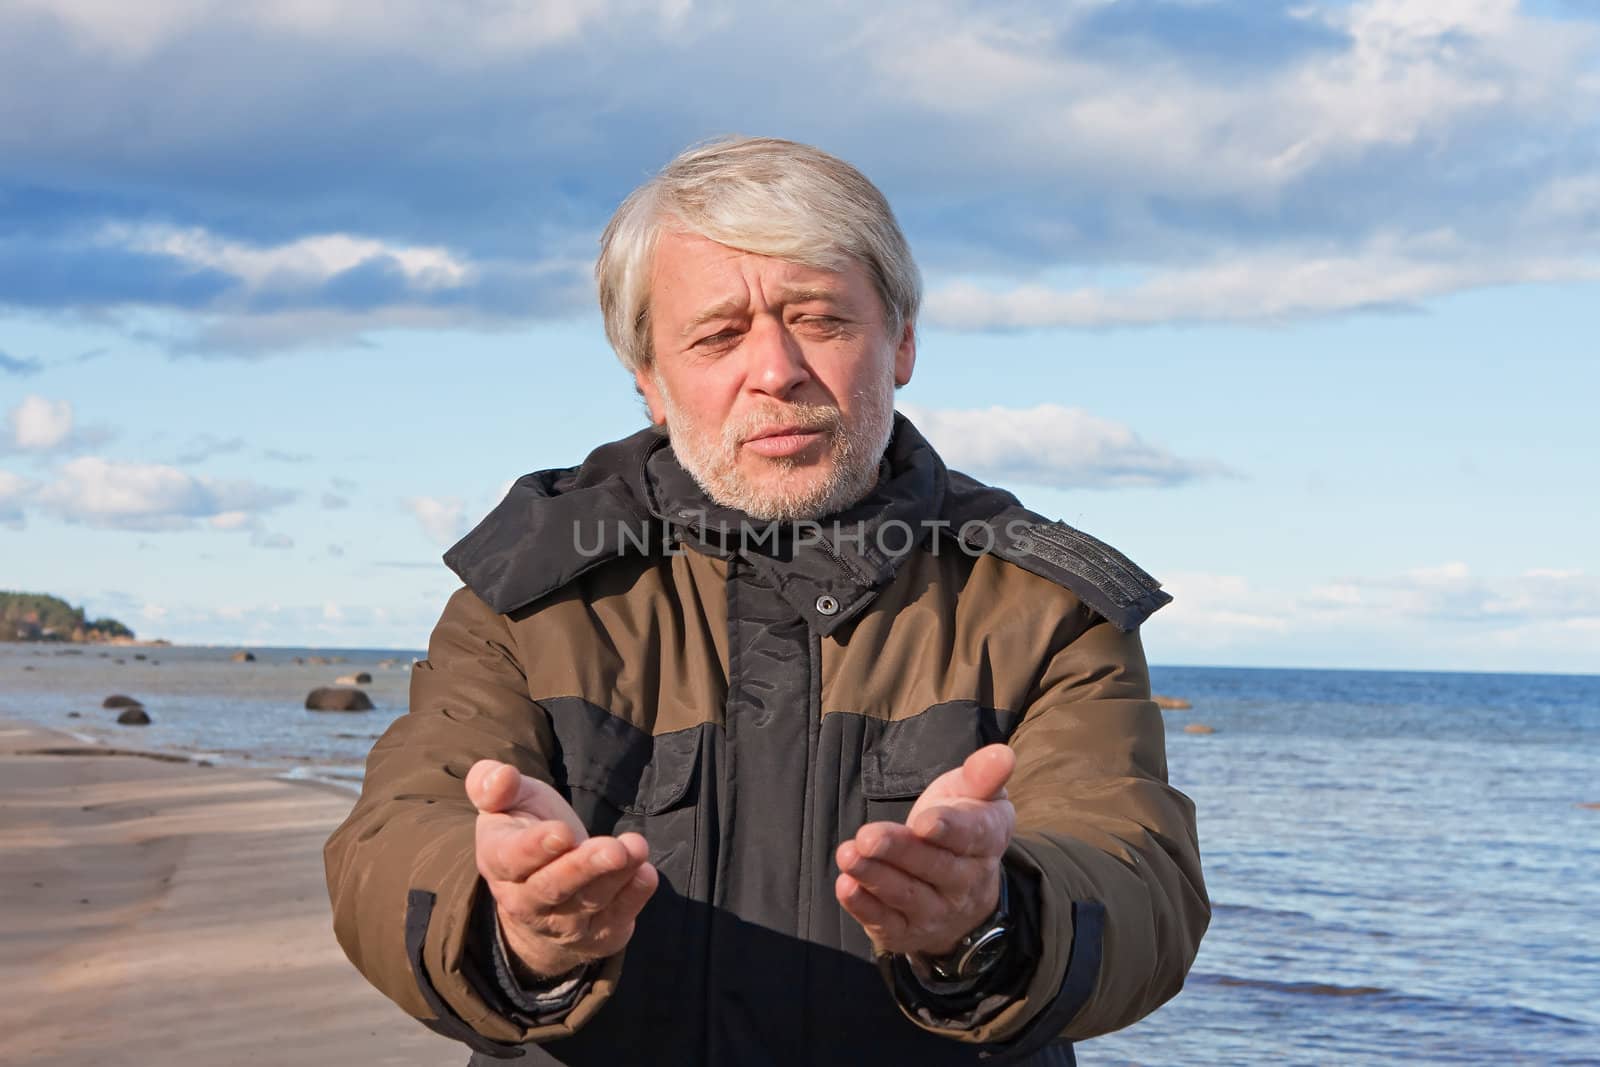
(783, 440)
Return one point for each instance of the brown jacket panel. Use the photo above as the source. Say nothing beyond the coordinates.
(951, 626)
(413, 828)
(645, 639)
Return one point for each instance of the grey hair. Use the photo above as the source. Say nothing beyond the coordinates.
(761, 195)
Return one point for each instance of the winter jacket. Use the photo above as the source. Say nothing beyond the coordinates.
(747, 703)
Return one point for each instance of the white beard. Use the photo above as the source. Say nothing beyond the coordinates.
(794, 492)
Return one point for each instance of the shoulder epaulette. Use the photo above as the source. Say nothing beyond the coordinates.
(1102, 577)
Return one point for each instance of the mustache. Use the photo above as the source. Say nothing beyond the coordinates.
(812, 417)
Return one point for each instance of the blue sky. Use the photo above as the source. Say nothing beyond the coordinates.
(1294, 303)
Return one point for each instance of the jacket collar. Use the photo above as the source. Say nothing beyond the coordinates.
(828, 569)
(632, 496)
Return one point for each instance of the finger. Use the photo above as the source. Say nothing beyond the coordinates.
(631, 898)
(985, 772)
(610, 930)
(882, 923)
(510, 850)
(549, 888)
(488, 787)
(967, 827)
(952, 874)
(916, 900)
(493, 786)
(602, 890)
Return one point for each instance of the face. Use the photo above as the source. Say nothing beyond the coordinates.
(774, 380)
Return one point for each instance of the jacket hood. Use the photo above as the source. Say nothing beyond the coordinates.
(632, 497)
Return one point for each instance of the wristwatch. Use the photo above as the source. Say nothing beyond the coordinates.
(980, 950)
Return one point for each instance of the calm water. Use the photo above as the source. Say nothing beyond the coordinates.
(200, 701)
(1399, 865)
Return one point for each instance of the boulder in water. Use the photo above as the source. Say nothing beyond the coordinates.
(337, 698)
(134, 717)
(243, 656)
(1172, 703)
(117, 700)
(359, 678)
(1199, 728)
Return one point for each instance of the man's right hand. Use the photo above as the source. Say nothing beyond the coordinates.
(564, 898)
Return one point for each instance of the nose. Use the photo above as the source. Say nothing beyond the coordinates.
(777, 364)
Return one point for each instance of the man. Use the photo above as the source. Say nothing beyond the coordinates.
(762, 737)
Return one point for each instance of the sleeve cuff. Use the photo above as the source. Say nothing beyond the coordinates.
(539, 1004)
(965, 1005)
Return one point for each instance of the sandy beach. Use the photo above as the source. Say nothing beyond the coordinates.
(155, 911)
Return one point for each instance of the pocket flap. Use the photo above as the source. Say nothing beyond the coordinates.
(902, 758)
(634, 771)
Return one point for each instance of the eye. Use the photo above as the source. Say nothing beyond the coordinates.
(720, 337)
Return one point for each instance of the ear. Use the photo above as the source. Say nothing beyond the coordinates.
(645, 382)
(905, 355)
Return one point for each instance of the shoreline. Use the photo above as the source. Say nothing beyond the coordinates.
(289, 770)
(157, 909)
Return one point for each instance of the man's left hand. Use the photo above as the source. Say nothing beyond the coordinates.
(922, 887)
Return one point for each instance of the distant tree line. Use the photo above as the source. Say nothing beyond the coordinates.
(41, 617)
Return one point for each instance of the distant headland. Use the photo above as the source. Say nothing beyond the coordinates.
(42, 617)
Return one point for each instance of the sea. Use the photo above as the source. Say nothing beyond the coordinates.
(1404, 866)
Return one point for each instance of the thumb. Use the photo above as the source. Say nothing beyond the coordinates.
(493, 786)
(985, 773)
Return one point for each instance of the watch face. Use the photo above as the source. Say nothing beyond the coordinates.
(985, 954)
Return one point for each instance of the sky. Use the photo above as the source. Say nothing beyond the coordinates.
(1293, 303)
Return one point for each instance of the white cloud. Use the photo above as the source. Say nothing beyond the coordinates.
(427, 30)
(1452, 592)
(1444, 617)
(1260, 286)
(440, 517)
(143, 496)
(38, 424)
(303, 263)
(1410, 70)
(1391, 152)
(41, 426)
(231, 520)
(1219, 610)
(1053, 446)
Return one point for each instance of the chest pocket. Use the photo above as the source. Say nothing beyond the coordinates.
(619, 779)
(901, 759)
